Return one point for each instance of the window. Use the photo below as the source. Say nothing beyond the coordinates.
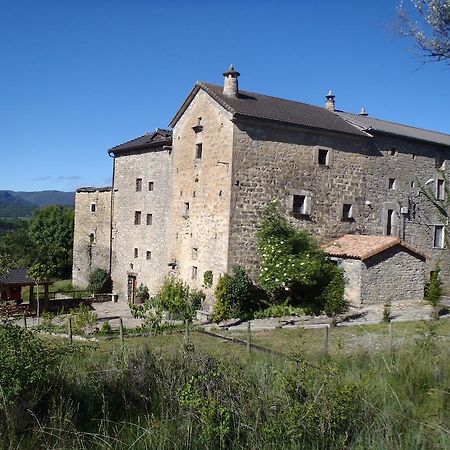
(93, 207)
(323, 157)
(186, 210)
(440, 189)
(137, 217)
(347, 212)
(136, 252)
(413, 184)
(194, 272)
(440, 160)
(148, 255)
(390, 222)
(150, 185)
(194, 253)
(198, 151)
(301, 205)
(392, 184)
(138, 184)
(438, 240)
(149, 219)
(91, 238)
(393, 151)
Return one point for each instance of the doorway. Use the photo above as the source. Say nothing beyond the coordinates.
(131, 288)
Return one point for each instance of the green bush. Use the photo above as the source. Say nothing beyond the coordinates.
(333, 296)
(279, 310)
(235, 296)
(106, 329)
(208, 278)
(100, 281)
(83, 320)
(142, 292)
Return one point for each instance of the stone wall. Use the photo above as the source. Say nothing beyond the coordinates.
(394, 274)
(152, 166)
(352, 276)
(199, 236)
(91, 243)
(277, 162)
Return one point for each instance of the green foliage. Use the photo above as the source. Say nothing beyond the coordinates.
(41, 272)
(5, 264)
(208, 278)
(51, 231)
(387, 312)
(434, 291)
(100, 281)
(142, 292)
(333, 295)
(279, 310)
(105, 329)
(292, 265)
(151, 312)
(83, 320)
(235, 296)
(26, 364)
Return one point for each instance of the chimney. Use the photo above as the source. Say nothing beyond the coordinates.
(329, 104)
(230, 85)
(363, 112)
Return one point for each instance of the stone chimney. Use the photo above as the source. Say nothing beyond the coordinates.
(230, 85)
(363, 112)
(329, 104)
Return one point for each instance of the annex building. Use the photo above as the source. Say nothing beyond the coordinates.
(190, 199)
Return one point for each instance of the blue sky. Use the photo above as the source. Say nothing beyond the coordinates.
(78, 77)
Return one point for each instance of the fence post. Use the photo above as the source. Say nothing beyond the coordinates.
(25, 321)
(121, 330)
(326, 339)
(249, 337)
(70, 331)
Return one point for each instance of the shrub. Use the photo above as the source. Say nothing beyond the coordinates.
(279, 310)
(100, 282)
(292, 265)
(83, 320)
(208, 278)
(106, 329)
(333, 295)
(434, 291)
(142, 292)
(235, 295)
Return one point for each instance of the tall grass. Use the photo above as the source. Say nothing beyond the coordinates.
(190, 400)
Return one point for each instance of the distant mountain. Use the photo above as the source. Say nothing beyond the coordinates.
(22, 204)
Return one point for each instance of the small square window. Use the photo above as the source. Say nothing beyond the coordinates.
(198, 151)
(323, 157)
(438, 240)
(301, 204)
(194, 273)
(137, 217)
(148, 255)
(150, 185)
(194, 253)
(440, 189)
(392, 184)
(93, 207)
(149, 219)
(136, 252)
(347, 212)
(138, 184)
(186, 210)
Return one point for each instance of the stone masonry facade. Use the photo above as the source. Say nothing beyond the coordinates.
(233, 152)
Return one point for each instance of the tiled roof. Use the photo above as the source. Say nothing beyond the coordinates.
(370, 124)
(16, 276)
(355, 246)
(250, 104)
(94, 189)
(158, 137)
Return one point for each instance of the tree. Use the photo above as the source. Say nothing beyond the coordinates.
(51, 230)
(434, 291)
(427, 22)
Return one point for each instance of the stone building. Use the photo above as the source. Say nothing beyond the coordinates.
(378, 269)
(231, 152)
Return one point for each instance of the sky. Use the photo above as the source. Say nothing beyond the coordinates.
(79, 77)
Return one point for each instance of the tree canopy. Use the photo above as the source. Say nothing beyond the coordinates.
(427, 22)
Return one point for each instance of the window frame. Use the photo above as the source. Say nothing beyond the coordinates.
(93, 207)
(304, 209)
(137, 217)
(151, 186)
(136, 252)
(198, 150)
(138, 184)
(347, 214)
(149, 219)
(442, 236)
(440, 189)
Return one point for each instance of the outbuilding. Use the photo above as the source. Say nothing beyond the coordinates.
(378, 269)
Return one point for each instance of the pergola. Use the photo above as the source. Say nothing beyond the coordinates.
(11, 285)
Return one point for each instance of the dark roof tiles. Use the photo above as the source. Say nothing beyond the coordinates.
(16, 276)
(158, 137)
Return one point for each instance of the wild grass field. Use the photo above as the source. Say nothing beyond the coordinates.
(201, 393)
